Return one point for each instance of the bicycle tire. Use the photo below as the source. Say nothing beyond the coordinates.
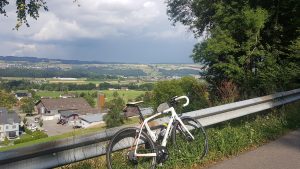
(186, 147)
(120, 141)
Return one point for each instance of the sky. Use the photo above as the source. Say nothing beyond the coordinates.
(129, 31)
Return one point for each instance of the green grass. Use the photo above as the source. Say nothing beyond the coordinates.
(130, 94)
(45, 93)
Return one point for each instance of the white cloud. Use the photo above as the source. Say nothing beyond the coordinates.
(11, 48)
(97, 19)
(178, 32)
(66, 26)
(24, 49)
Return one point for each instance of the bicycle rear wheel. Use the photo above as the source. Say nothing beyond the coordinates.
(184, 145)
(120, 150)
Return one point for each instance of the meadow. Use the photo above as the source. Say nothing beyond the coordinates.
(125, 94)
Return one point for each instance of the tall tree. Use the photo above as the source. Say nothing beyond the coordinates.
(7, 100)
(253, 43)
(114, 117)
(27, 105)
(196, 91)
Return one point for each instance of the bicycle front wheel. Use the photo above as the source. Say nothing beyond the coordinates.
(120, 150)
(185, 146)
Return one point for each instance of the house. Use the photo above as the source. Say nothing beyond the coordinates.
(9, 124)
(90, 120)
(51, 109)
(72, 117)
(68, 95)
(124, 88)
(20, 95)
(69, 116)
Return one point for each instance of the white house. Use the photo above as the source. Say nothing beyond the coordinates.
(20, 95)
(90, 120)
(9, 124)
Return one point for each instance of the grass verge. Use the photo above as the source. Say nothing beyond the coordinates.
(226, 139)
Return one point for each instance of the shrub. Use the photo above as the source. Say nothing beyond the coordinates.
(227, 92)
(27, 131)
(6, 141)
(34, 136)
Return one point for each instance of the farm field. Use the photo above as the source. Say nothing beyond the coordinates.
(79, 80)
(126, 95)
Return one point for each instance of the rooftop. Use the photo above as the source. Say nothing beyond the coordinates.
(92, 117)
(65, 104)
(67, 113)
(8, 117)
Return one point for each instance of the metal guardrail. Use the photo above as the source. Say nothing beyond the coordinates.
(77, 148)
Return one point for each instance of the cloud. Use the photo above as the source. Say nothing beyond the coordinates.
(93, 25)
(24, 49)
(97, 19)
(179, 32)
(11, 48)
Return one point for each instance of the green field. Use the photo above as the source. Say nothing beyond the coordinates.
(79, 80)
(130, 94)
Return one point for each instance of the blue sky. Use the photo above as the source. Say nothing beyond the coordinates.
(104, 30)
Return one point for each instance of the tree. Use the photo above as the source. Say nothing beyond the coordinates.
(90, 99)
(7, 100)
(251, 43)
(147, 99)
(25, 8)
(196, 91)
(114, 116)
(27, 105)
(25, 120)
(41, 123)
(6, 141)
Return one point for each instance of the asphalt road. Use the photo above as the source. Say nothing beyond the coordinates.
(283, 153)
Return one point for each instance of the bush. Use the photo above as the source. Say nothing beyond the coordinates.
(24, 138)
(27, 131)
(41, 123)
(34, 136)
(6, 141)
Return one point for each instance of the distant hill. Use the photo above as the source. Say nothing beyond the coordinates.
(37, 60)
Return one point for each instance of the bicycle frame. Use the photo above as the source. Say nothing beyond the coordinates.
(154, 137)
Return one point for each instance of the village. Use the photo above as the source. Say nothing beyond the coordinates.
(55, 116)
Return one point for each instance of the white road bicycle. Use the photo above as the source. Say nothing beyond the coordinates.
(146, 147)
